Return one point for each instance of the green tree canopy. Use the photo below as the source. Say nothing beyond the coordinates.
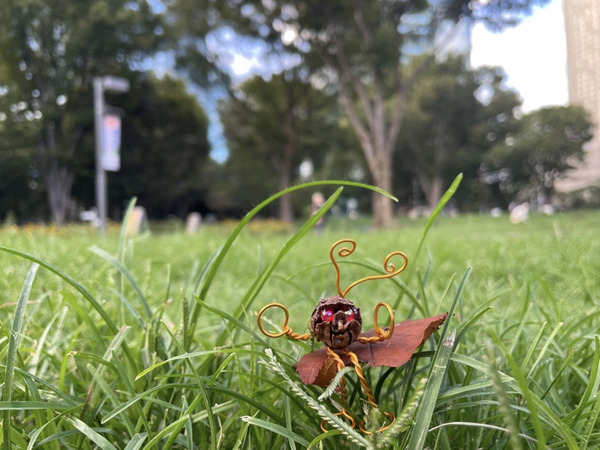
(546, 145)
(448, 129)
(271, 126)
(50, 51)
(164, 149)
(359, 48)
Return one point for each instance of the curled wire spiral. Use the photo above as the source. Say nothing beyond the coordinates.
(285, 330)
(388, 267)
(382, 335)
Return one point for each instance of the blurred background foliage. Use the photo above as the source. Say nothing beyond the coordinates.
(348, 90)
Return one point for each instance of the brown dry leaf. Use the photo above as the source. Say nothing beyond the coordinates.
(317, 368)
(396, 351)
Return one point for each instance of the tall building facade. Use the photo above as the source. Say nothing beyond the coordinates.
(582, 26)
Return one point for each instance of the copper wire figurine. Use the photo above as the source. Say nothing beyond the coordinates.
(337, 323)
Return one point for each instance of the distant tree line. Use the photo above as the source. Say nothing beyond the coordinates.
(355, 106)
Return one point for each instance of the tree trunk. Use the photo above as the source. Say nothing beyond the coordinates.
(58, 179)
(285, 202)
(284, 171)
(435, 191)
(383, 212)
(429, 170)
(59, 182)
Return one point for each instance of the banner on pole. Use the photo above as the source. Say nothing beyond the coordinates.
(111, 142)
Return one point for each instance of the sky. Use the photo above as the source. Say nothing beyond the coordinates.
(533, 55)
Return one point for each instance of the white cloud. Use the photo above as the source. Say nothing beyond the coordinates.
(533, 55)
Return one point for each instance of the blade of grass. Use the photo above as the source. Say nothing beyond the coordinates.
(481, 425)
(136, 442)
(171, 428)
(123, 271)
(82, 290)
(439, 363)
(122, 248)
(108, 391)
(42, 418)
(260, 281)
(504, 406)
(436, 212)
(542, 352)
(277, 429)
(591, 424)
(521, 380)
(533, 344)
(566, 363)
(13, 345)
(214, 267)
(428, 402)
(322, 437)
(592, 385)
(203, 397)
(91, 434)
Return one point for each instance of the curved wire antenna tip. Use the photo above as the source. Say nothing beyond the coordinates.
(343, 252)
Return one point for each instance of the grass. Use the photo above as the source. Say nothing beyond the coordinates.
(151, 342)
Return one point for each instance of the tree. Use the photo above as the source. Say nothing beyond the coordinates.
(545, 146)
(50, 52)
(448, 129)
(164, 148)
(360, 47)
(270, 127)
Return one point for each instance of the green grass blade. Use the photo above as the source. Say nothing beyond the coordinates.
(203, 397)
(123, 271)
(427, 406)
(108, 391)
(504, 406)
(47, 427)
(591, 425)
(82, 290)
(481, 425)
(173, 427)
(91, 434)
(13, 346)
(532, 346)
(516, 336)
(277, 429)
(122, 248)
(544, 350)
(136, 442)
(27, 405)
(592, 385)
(436, 212)
(521, 380)
(212, 272)
(437, 372)
(123, 232)
(322, 437)
(265, 274)
(146, 394)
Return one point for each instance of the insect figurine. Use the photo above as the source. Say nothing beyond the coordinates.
(337, 323)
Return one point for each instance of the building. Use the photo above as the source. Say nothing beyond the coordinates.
(582, 27)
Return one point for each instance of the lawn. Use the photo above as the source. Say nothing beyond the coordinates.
(152, 342)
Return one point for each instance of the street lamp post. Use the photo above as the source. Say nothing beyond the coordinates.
(101, 84)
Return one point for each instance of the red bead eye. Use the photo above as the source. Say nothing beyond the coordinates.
(327, 315)
(350, 314)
